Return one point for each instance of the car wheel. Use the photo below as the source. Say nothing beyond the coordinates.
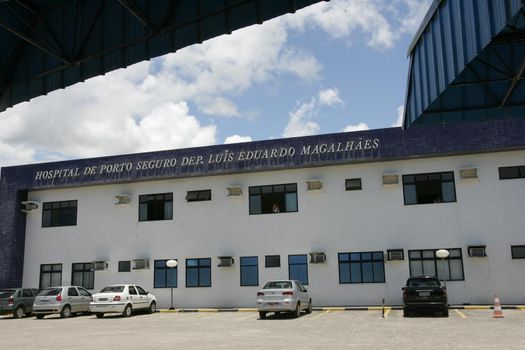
(66, 311)
(40, 316)
(309, 309)
(406, 312)
(262, 314)
(297, 311)
(19, 312)
(99, 314)
(152, 308)
(445, 311)
(127, 311)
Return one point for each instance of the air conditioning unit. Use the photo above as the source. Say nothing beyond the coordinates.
(395, 254)
(390, 179)
(477, 251)
(225, 261)
(122, 199)
(469, 174)
(100, 265)
(29, 206)
(314, 185)
(141, 264)
(317, 258)
(234, 191)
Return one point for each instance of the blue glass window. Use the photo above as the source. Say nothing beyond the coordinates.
(164, 276)
(249, 271)
(198, 272)
(298, 268)
(366, 267)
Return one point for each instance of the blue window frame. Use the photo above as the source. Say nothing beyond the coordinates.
(164, 277)
(62, 213)
(198, 272)
(249, 271)
(298, 268)
(365, 267)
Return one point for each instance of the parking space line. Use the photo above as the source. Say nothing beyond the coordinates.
(246, 318)
(321, 314)
(460, 313)
(387, 311)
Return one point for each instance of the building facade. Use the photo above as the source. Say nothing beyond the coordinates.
(352, 215)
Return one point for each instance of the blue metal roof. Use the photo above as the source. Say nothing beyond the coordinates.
(50, 44)
(467, 63)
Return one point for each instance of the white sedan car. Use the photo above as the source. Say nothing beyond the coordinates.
(123, 299)
(284, 296)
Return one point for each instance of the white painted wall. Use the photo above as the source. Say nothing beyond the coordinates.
(489, 212)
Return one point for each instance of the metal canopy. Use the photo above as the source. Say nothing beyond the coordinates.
(467, 63)
(50, 44)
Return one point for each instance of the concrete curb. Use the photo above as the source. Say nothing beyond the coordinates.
(348, 308)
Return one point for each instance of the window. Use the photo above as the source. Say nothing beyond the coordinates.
(50, 275)
(425, 262)
(429, 188)
(141, 291)
(511, 172)
(83, 275)
(298, 268)
(83, 292)
(197, 196)
(164, 277)
(72, 292)
(353, 184)
(59, 214)
(124, 266)
(518, 251)
(198, 272)
(249, 271)
(272, 261)
(273, 199)
(365, 267)
(156, 207)
(132, 290)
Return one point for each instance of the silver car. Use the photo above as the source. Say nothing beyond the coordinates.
(65, 300)
(284, 296)
(123, 299)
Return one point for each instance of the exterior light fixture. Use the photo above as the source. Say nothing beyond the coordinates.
(171, 264)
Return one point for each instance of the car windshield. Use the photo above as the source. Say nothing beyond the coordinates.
(50, 292)
(423, 283)
(6, 293)
(278, 285)
(112, 289)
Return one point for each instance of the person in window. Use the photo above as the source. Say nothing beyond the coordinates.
(275, 208)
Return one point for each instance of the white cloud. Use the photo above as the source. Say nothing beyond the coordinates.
(237, 139)
(299, 123)
(330, 97)
(357, 127)
(400, 113)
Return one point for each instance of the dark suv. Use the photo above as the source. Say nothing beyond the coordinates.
(424, 293)
(17, 301)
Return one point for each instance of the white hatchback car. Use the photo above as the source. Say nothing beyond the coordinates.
(124, 299)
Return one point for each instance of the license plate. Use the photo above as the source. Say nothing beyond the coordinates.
(102, 299)
(424, 294)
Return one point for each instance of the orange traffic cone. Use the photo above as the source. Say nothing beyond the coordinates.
(497, 308)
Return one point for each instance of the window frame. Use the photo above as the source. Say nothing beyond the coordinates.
(167, 270)
(520, 169)
(58, 217)
(361, 261)
(350, 188)
(87, 267)
(120, 269)
(405, 182)
(245, 266)
(436, 259)
(50, 273)
(282, 201)
(514, 255)
(199, 267)
(200, 196)
(266, 258)
(298, 264)
(150, 214)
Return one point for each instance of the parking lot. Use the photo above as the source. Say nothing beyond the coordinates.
(465, 329)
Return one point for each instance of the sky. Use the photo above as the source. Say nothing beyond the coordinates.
(334, 66)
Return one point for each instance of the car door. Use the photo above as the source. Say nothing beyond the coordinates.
(27, 300)
(73, 299)
(143, 297)
(85, 299)
(303, 295)
(133, 297)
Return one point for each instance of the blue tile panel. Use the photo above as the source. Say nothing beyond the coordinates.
(311, 151)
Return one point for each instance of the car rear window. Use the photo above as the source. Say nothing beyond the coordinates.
(6, 293)
(423, 283)
(112, 289)
(278, 285)
(50, 292)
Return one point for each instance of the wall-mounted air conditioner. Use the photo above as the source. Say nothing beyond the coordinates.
(225, 261)
(391, 180)
(395, 254)
(314, 185)
(100, 265)
(141, 264)
(234, 191)
(29, 206)
(122, 199)
(469, 174)
(317, 258)
(478, 251)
